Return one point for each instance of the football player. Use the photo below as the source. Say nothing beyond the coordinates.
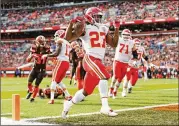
(94, 36)
(124, 50)
(132, 70)
(39, 68)
(59, 72)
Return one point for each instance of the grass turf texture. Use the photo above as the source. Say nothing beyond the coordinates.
(151, 92)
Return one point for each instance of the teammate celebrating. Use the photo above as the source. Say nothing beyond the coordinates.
(39, 68)
(123, 54)
(94, 36)
(132, 70)
(59, 72)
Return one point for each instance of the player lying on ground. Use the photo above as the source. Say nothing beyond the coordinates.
(125, 48)
(59, 72)
(132, 70)
(39, 68)
(46, 92)
(94, 36)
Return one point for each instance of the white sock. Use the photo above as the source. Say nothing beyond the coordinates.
(63, 87)
(129, 84)
(53, 87)
(103, 89)
(78, 96)
(113, 82)
(125, 84)
(117, 85)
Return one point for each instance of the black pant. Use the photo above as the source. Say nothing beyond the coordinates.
(38, 75)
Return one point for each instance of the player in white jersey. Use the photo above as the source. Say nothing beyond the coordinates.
(124, 50)
(133, 66)
(94, 36)
(59, 72)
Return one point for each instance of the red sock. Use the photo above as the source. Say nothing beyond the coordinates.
(30, 87)
(111, 90)
(36, 89)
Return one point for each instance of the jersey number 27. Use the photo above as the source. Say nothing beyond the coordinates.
(94, 39)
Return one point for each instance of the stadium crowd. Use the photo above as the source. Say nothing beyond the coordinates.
(126, 11)
(162, 50)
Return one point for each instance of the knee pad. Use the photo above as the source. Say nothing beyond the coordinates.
(53, 85)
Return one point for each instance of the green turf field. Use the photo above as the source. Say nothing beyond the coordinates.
(148, 93)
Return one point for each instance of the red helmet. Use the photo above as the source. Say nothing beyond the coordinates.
(59, 34)
(93, 15)
(126, 34)
(137, 42)
(40, 40)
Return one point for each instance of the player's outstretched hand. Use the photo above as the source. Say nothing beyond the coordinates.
(77, 19)
(116, 24)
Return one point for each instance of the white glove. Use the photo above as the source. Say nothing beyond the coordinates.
(134, 63)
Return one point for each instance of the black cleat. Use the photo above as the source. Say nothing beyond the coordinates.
(70, 82)
(130, 90)
(32, 100)
(28, 95)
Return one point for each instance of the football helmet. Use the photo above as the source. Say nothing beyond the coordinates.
(137, 42)
(40, 40)
(93, 15)
(59, 34)
(126, 34)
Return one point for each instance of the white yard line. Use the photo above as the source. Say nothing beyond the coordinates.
(92, 113)
(30, 121)
(5, 114)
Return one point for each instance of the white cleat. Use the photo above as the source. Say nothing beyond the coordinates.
(114, 97)
(66, 108)
(124, 94)
(110, 94)
(108, 111)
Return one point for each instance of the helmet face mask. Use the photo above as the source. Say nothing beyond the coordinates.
(137, 43)
(126, 34)
(93, 15)
(59, 34)
(40, 41)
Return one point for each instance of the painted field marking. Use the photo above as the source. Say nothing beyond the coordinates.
(92, 113)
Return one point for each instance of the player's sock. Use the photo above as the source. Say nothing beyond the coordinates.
(53, 87)
(63, 87)
(117, 84)
(125, 84)
(103, 89)
(78, 96)
(36, 89)
(30, 87)
(129, 84)
(113, 82)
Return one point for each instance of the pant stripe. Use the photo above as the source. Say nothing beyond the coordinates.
(95, 66)
(56, 69)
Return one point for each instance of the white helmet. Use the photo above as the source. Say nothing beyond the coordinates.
(126, 34)
(59, 34)
(137, 42)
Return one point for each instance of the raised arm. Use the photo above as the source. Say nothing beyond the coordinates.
(113, 40)
(75, 29)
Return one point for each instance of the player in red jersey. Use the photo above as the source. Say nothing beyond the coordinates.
(134, 64)
(59, 72)
(94, 36)
(39, 68)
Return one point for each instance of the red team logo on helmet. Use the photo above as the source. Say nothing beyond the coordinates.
(59, 34)
(137, 42)
(126, 34)
(93, 15)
